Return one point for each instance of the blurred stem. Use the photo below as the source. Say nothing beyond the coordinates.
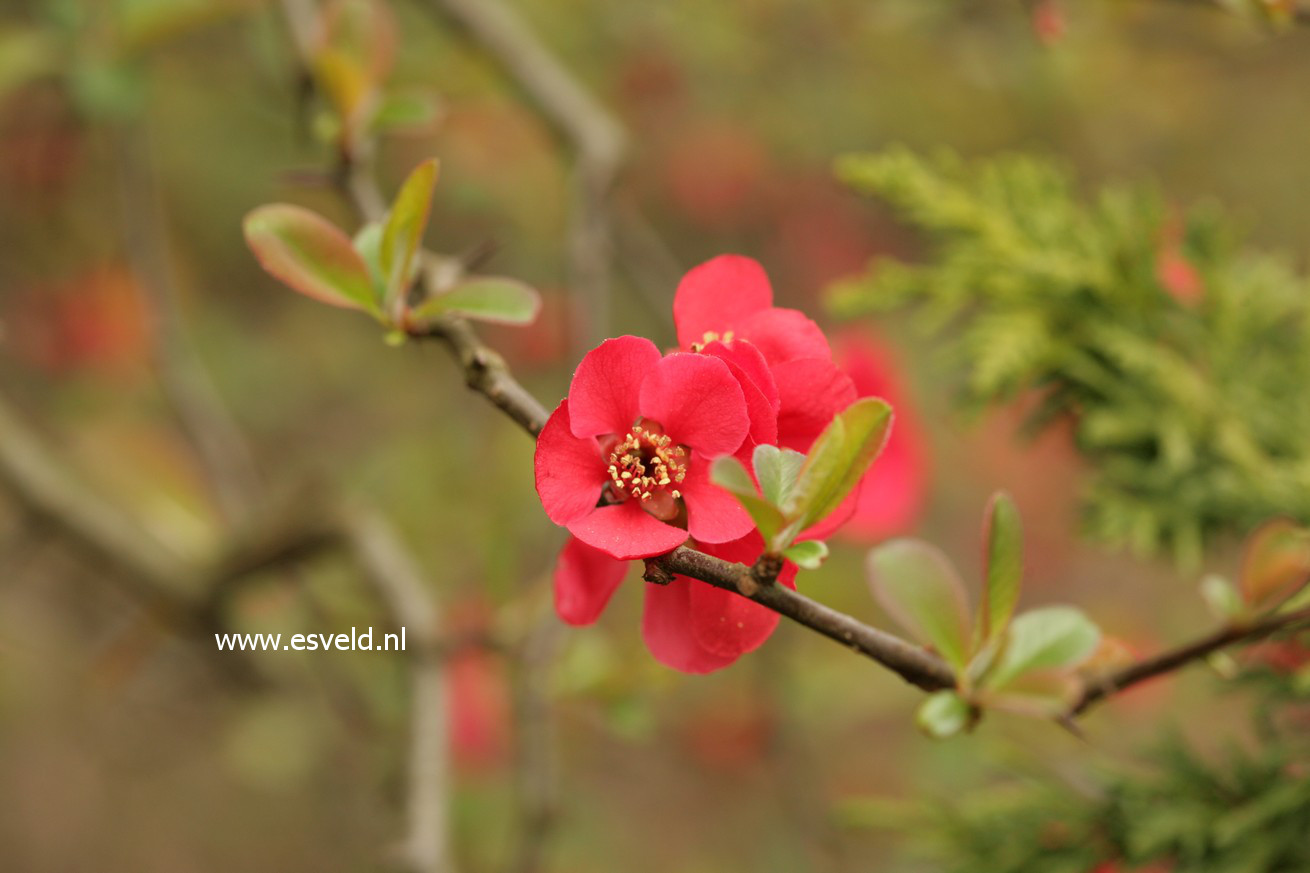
(595, 136)
(1188, 653)
(223, 452)
(401, 587)
(535, 769)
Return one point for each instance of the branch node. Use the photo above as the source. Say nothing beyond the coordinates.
(656, 573)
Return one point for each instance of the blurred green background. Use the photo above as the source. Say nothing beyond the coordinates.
(120, 749)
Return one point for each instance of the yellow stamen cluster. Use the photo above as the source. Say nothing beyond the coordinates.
(709, 337)
(644, 462)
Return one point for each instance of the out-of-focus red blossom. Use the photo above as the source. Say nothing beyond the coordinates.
(1048, 21)
(94, 321)
(1281, 656)
(687, 624)
(1176, 275)
(624, 461)
(477, 691)
(713, 172)
(732, 737)
(892, 496)
(41, 144)
(821, 232)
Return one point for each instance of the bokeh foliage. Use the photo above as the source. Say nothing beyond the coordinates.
(1179, 357)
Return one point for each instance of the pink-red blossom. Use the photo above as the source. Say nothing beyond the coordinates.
(728, 302)
(624, 461)
(687, 625)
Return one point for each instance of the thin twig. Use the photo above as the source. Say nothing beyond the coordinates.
(535, 764)
(595, 135)
(186, 383)
(913, 664)
(1183, 655)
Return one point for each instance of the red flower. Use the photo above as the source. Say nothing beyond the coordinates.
(728, 300)
(892, 494)
(624, 461)
(688, 625)
(727, 303)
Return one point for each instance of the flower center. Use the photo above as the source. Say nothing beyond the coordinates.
(645, 465)
(710, 337)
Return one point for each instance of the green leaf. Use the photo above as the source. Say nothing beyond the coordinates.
(1047, 639)
(944, 714)
(838, 458)
(728, 473)
(402, 235)
(1276, 564)
(808, 555)
(1222, 598)
(405, 110)
(918, 587)
(777, 470)
(368, 242)
(1003, 563)
(485, 298)
(310, 255)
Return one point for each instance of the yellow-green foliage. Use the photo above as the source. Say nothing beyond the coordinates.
(1194, 413)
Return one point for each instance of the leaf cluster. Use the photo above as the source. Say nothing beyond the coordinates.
(376, 271)
(1024, 664)
(787, 493)
(1180, 359)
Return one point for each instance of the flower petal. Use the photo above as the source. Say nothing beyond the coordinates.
(603, 397)
(783, 335)
(892, 495)
(718, 293)
(713, 515)
(570, 472)
(585, 579)
(698, 401)
(666, 627)
(812, 391)
(626, 531)
(747, 365)
(727, 624)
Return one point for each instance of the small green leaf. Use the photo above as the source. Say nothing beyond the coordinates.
(919, 588)
(405, 110)
(402, 235)
(1003, 563)
(839, 458)
(1048, 639)
(808, 555)
(368, 242)
(1276, 564)
(310, 255)
(944, 714)
(728, 473)
(1222, 598)
(777, 470)
(485, 298)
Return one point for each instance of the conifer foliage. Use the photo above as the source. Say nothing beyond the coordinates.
(1181, 358)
